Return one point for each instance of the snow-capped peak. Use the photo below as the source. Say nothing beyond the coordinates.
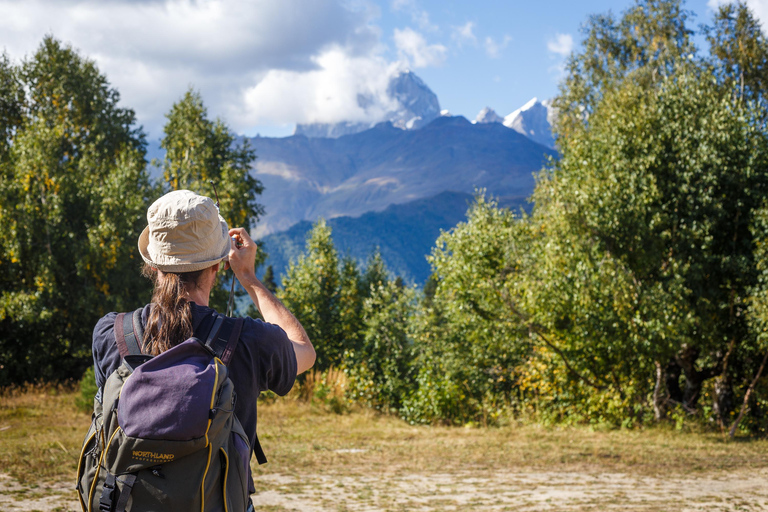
(534, 120)
(416, 104)
(488, 115)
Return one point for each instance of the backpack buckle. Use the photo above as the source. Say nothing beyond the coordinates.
(107, 494)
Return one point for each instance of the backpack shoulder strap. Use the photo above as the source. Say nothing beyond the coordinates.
(129, 334)
(223, 337)
(222, 341)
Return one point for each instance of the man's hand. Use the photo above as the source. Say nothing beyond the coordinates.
(242, 253)
(242, 261)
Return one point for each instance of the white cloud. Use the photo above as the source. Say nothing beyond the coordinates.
(561, 45)
(759, 9)
(330, 93)
(151, 51)
(418, 15)
(464, 34)
(493, 48)
(414, 50)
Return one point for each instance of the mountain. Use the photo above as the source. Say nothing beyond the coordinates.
(308, 178)
(416, 106)
(534, 120)
(488, 115)
(404, 234)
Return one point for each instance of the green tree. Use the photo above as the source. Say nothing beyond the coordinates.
(382, 371)
(355, 288)
(73, 195)
(739, 52)
(269, 279)
(755, 388)
(626, 292)
(658, 192)
(311, 291)
(199, 151)
(648, 254)
(646, 42)
(375, 274)
(468, 342)
(351, 294)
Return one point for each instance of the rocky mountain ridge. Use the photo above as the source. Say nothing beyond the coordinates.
(306, 178)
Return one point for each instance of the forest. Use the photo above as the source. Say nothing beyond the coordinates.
(634, 292)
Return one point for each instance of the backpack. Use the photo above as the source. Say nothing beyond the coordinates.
(164, 435)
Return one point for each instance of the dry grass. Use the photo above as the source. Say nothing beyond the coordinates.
(297, 437)
(41, 433)
(360, 460)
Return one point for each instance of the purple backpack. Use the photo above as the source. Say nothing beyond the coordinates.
(165, 436)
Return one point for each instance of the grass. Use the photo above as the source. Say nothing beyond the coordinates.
(298, 437)
(41, 433)
(364, 460)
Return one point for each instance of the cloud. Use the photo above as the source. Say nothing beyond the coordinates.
(419, 16)
(152, 50)
(414, 50)
(464, 34)
(330, 93)
(561, 45)
(493, 48)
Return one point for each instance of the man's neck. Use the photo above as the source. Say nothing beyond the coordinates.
(198, 296)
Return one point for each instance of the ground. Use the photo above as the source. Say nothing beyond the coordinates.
(469, 490)
(364, 461)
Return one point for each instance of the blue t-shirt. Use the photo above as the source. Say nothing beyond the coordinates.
(263, 360)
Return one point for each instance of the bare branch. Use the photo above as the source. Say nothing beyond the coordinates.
(539, 331)
(745, 404)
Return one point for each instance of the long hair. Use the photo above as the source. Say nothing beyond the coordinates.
(170, 318)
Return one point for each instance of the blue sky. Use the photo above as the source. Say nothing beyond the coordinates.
(263, 65)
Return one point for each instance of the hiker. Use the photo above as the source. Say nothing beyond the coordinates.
(184, 245)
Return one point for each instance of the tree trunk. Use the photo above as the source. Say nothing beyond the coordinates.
(694, 379)
(723, 400)
(685, 363)
(672, 380)
(660, 396)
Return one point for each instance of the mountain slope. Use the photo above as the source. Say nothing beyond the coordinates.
(404, 234)
(308, 178)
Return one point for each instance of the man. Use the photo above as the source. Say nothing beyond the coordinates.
(183, 246)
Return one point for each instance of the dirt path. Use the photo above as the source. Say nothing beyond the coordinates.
(542, 491)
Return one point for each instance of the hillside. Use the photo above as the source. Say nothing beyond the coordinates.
(308, 178)
(404, 234)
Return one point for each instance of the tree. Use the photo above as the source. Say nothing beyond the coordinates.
(73, 195)
(269, 279)
(758, 318)
(739, 52)
(626, 291)
(468, 343)
(311, 291)
(647, 42)
(660, 190)
(200, 151)
(657, 184)
(381, 370)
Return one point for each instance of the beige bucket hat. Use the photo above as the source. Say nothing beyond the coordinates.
(184, 233)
